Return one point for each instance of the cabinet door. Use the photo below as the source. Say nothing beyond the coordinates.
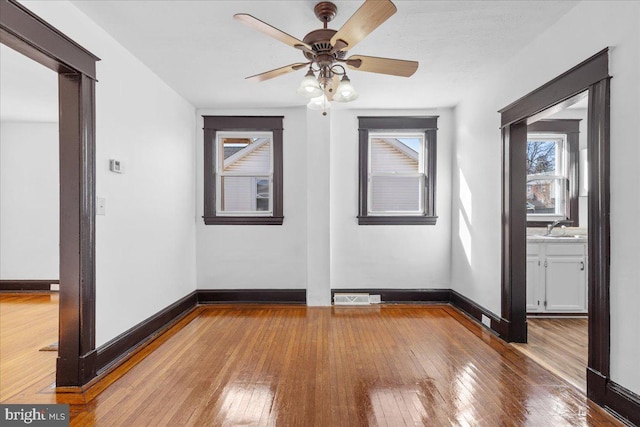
(566, 284)
(535, 290)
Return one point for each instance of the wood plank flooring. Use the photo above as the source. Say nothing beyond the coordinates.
(28, 322)
(560, 345)
(270, 365)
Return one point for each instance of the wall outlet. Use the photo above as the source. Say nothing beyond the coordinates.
(486, 321)
(374, 299)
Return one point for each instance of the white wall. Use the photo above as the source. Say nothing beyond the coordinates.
(145, 244)
(259, 256)
(582, 32)
(387, 256)
(320, 245)
(29, 201)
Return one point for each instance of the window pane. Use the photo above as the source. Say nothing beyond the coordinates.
(245, 194)
(395, 155)
(546, 196)
(541, 157)
(395, 193)
(246, 155)
(262, 195)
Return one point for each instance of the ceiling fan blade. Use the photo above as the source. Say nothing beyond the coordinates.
(373, 64)
(366, 19)
(271, 31)
(277, 72)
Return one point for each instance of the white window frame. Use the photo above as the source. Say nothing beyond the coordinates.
(220, 174)
(421, 174)
(560, 177)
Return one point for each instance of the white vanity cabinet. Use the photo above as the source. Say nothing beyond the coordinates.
(556, 277)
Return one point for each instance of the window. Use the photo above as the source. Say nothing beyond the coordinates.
(244, 173)
(397, 170)
(243, 170)
(552, 171)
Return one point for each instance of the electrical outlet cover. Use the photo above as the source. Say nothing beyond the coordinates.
(486, 321)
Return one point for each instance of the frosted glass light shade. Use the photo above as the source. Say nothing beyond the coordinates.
(319, 103)
(345, 91)
(309, 87)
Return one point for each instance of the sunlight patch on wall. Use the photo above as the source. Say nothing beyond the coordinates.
(465, 197)
(465, 235)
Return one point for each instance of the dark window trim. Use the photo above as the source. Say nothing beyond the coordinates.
(214, 124)
(570, 128)
(428, 125)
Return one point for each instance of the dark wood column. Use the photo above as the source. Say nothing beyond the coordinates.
(599, 245)
(514, 230)
(75, 363)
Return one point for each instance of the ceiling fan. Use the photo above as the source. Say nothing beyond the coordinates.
(326, 50)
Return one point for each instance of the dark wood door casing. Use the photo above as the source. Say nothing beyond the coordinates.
(27, 33)
(592, 75)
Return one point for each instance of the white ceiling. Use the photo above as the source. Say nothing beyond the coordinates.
(204, 54)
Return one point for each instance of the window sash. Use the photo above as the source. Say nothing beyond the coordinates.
(220, 174)
(420, 174)
(559, 178)
(253, 196)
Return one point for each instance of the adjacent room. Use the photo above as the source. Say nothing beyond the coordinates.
(364, 212)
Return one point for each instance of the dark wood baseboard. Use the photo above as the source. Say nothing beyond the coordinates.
(618, 400)
(623, 403)
(499, 325)
(124, 344)
(27, 285)
(403, 296)
(274, 296)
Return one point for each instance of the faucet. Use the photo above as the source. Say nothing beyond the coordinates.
(557, 222)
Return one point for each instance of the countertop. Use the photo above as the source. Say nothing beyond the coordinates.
(559, 235)
(557, 239)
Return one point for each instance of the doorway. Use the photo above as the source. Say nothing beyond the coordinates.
(592, 75)
(28, 34)
(557, 240)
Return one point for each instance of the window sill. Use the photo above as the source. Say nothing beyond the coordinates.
(243, 220)
(397, 220)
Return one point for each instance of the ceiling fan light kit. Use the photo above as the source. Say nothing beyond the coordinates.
(320, 103)
(325, 50)
(345, 91)
(309, 86)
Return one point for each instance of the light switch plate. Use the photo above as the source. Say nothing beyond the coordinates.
(101, 206)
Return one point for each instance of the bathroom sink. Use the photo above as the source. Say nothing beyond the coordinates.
(555, 237)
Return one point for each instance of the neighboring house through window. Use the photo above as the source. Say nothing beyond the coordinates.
(243, 170)
(552, 171)
(397, 170)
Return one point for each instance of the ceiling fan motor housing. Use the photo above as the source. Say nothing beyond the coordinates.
(320, 42)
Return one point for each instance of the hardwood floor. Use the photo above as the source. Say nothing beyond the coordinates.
(387, 365)
(28, 322)
(560, 345)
